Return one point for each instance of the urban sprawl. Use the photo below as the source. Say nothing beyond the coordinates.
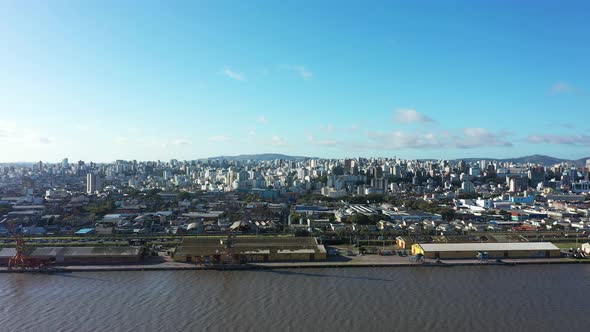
(293, 209)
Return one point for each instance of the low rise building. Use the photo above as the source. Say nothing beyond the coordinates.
(493, 250)
(207, 250)
(80, 255)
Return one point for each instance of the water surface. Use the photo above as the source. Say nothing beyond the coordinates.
(517, 298)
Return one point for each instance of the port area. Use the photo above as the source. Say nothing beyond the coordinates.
(166, 264)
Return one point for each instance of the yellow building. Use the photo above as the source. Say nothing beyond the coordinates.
(493, 250)
(404, 242)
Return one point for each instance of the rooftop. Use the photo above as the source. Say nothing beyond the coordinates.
(488, 246)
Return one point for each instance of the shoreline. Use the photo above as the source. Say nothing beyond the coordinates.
(172, 266)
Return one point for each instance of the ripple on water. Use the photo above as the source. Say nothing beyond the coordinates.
(350, 299)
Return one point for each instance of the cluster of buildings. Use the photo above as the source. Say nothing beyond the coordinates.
(305, 195)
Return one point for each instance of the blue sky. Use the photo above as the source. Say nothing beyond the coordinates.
(151, 80)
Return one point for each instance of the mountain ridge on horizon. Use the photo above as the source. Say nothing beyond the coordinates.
(534, 159)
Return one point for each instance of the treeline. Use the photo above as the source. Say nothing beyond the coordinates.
(4, 209)
(101, 208)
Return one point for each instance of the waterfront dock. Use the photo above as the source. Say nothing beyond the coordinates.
(335, 262)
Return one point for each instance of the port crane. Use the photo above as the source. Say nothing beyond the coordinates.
(21, 259)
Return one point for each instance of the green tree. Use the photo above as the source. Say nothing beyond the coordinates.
(184, 196)
(295, 218)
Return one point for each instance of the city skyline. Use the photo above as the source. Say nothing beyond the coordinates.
(475, 80)
(270, 157)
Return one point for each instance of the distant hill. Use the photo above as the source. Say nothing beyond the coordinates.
(260, 157)
(534, 159)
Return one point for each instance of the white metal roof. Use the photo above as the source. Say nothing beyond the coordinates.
(488, 246)
(7, 252)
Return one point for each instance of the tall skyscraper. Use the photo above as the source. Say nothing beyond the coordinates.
(93, 183)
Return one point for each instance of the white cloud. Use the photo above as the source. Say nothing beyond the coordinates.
(330, 127)
(477, 137)
(304, 72)
(469, 138)
(561, 87)
(262, 119)
(410, 116)
(578, 140)
(300, 70)
(233, 74)
(219, 138)
(278, 141)
(34, 137)
(565, 87)
(334, 129)
(325, 142)
(7, 129)
(252, 133)
(401, 140)
(182, 141)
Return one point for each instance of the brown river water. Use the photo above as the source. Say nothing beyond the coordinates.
(480, 298)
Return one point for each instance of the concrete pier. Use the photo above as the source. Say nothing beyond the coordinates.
(334, 262)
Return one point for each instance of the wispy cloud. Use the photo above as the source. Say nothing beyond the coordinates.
(567, 125)
(410, 116)
(405, 140)
(34, 137)
(7, 129)
(478, 137)
(312, 140)
(330, 127)
(234, 75)
(304, 72)
(565, 87)
(262, 119)
(279, 141)
(466, 139)
(219, 138)
(578, 140)
(301, 71)
(182, 142)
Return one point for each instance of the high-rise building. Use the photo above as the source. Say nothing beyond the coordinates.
(467, 187)
(517, 184)
(475, 171)
(348, 164)
(379, 184)
(93, 183)
(65, 163)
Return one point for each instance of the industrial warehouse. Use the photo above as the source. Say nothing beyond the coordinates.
(492, 250)
(242, 250)
(78, 255)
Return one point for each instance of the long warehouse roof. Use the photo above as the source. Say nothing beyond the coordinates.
(488, 246)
